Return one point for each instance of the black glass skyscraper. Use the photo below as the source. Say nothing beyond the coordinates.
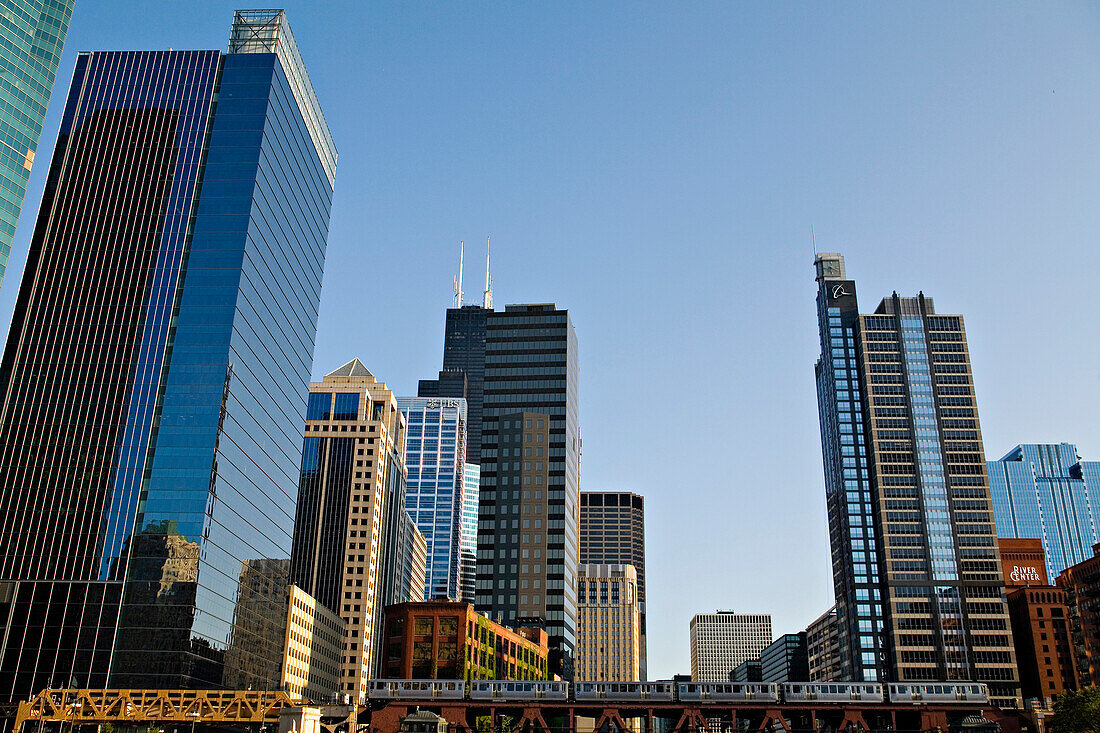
(156, 370)
(463, 354)
(917, 575)
(521, 379)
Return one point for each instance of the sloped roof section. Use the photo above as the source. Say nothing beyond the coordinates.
(353, 368)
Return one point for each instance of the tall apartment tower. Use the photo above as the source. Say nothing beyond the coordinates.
(155, 375)
(613, 532)
(33, 32)
(609, 629)
(919, 591)
(722, 640)
(823, 648)
(1047, 492)
(356, 550)
(439, 479)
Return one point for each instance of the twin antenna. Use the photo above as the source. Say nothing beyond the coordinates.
(487, 300)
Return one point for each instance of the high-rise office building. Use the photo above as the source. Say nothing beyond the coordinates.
(919, 592)
(467, 547)
(356, 550)
(609, 630)
(1047, 492)
(785, 659)
(33, 33)
(722, 640)
(518, 372)
(156, 370)
(435, 456)
(613, 532)
(530, 462)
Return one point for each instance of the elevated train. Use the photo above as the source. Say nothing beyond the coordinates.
(898, 693)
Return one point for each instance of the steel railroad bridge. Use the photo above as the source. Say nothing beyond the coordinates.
(258, 711)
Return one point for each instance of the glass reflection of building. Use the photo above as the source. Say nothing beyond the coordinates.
(32, 33)
(919, 591)
(1046, 492)
(436, 498)
(155, 372)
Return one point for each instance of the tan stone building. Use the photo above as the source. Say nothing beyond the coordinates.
(312, 648)
(608, 623)
(356, 550)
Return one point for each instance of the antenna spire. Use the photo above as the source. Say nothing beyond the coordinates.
(458, 280)
(487, 302)
(813, 238)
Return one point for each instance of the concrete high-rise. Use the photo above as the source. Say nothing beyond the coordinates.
(356, 550)
(436, 499)
(917, 577)
(156, 370)
(613, 532)
(722, 640)
(32, 34)
(1047, 492)
(609, 631)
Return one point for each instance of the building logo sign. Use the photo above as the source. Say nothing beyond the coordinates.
(1025, 574)
(838, 291)
(436, 404)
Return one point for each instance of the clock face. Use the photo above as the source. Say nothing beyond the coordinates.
(832, 267)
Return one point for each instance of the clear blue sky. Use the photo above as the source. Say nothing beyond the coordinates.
(656, 169)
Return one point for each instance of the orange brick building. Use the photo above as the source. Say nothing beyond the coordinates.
(1081, 583)
(1040, 622)
(450, 641)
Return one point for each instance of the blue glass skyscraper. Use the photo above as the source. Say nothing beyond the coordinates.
(1047, 492)
(32, 33)
(437, 494)
(157, 368)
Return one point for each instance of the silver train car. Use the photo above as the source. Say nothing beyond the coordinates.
(794, 693)
(416, 689)
(832, 692)
(722, 691)
(624, 691)
(509, 690)
(907, 692)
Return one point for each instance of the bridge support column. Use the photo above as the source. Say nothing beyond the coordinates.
(691, 721)
(853, 718)
(609, 716)
(933, 720)
(771, 717)
(532, 717)
(456, 719)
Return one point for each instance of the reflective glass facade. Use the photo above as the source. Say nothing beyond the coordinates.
(471, 493)
(32, 33)
(171, 307)
(917, 577)
(1047, 492)
(435, 453)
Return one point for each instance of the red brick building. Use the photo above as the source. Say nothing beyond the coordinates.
(1040, 622)
(450, 641)
(1081, 583)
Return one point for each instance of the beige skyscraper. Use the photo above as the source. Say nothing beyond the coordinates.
(356, 550)
(608, 624)
(722, 640)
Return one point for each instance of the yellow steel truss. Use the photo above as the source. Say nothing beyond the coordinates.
(155, 706)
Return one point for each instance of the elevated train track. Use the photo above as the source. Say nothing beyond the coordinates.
(543, 707)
